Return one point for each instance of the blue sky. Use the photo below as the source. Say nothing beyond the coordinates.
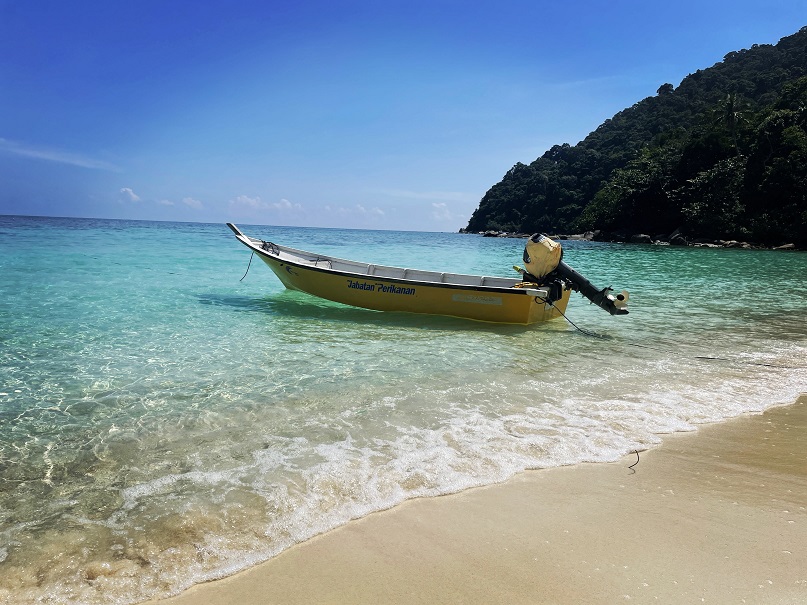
(367, 114)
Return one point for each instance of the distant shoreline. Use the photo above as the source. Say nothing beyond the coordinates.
(675, 239)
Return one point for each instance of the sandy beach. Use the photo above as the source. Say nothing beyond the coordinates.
(714, 516)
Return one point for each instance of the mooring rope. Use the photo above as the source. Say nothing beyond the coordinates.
(248, 266)
(586, 332)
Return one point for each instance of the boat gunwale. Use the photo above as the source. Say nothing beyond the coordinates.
(401, 280)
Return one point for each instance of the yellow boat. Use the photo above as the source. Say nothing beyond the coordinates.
(525, 300)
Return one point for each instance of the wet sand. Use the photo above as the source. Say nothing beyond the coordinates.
(715, 516)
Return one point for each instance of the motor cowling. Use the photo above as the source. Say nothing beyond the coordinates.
(542, 256)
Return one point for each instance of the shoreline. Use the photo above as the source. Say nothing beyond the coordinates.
(675, 239)
(717, 515)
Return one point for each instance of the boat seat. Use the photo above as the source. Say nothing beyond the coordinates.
(391, 272)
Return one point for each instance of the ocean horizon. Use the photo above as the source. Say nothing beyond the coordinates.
(170, 414)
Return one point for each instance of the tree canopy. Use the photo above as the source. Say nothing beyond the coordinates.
(722, 156)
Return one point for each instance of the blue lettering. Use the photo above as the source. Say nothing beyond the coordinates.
(360, 285)
(379, 287)
(392, 289)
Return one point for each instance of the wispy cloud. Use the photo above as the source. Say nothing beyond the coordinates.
(192, 203)
(187, 201)
(285, 204)
(441, 212)
(355, 210)
(372, 211)
(244, 203)
(128, 195)
(55, 155)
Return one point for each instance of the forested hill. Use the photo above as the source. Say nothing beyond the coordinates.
(722, 156)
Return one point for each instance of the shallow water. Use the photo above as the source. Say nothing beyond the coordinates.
(162, 422)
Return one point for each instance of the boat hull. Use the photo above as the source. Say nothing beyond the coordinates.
(499, 305)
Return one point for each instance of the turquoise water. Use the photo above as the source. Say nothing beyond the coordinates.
(163, 423)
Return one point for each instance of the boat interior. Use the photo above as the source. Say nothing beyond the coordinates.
(300, 257)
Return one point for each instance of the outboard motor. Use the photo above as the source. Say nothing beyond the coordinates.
(614, 304)
(541, 256)
(544, 265)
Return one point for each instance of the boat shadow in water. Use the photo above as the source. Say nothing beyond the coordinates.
(299, 306)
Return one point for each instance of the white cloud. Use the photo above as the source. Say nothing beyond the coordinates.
(243, 202)
(285, 204)
(165, 202)
(357, 210)
(256, 207)
(127, 195)
(192, 203)
(372, 211)
(55, 155)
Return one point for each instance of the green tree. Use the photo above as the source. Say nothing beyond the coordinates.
(732, 112)
(710, 202)
(637, 197)
(776, 180)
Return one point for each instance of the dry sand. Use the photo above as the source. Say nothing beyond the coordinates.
(716, 516)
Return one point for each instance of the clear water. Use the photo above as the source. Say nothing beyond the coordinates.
(163, 423)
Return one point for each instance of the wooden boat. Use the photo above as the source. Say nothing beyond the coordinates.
(523, 300)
